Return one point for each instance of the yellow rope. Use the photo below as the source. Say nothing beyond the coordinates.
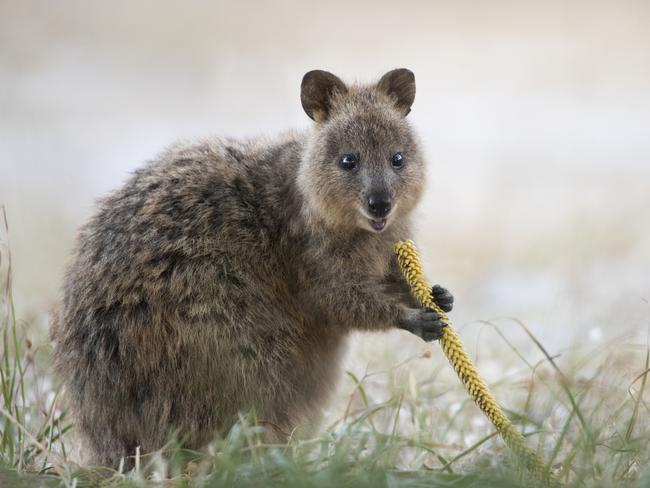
(452, 346)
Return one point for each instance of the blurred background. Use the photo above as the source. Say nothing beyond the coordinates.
(535, 117)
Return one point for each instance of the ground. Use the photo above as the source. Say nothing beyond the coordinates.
(400, 417)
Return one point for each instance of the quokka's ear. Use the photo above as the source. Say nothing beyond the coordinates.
(316, 91)
(399, 84)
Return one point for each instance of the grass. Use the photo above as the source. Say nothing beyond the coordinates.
(585, 411)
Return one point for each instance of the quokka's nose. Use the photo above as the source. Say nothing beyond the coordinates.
(379, 205)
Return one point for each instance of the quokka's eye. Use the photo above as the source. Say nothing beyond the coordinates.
(397, 161)
(349, 162)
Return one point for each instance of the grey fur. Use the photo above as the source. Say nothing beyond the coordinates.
(225, 276)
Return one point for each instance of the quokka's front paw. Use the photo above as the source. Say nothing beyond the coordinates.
(442, 297)
(424, 323)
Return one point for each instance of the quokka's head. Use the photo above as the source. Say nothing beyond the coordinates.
(362, 167)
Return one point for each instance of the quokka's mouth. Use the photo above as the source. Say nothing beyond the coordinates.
(377, 224)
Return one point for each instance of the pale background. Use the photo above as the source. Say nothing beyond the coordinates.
(535, 117)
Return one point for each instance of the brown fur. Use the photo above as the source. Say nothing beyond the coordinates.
(225, 276)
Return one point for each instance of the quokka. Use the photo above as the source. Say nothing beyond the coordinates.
(225, 276)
